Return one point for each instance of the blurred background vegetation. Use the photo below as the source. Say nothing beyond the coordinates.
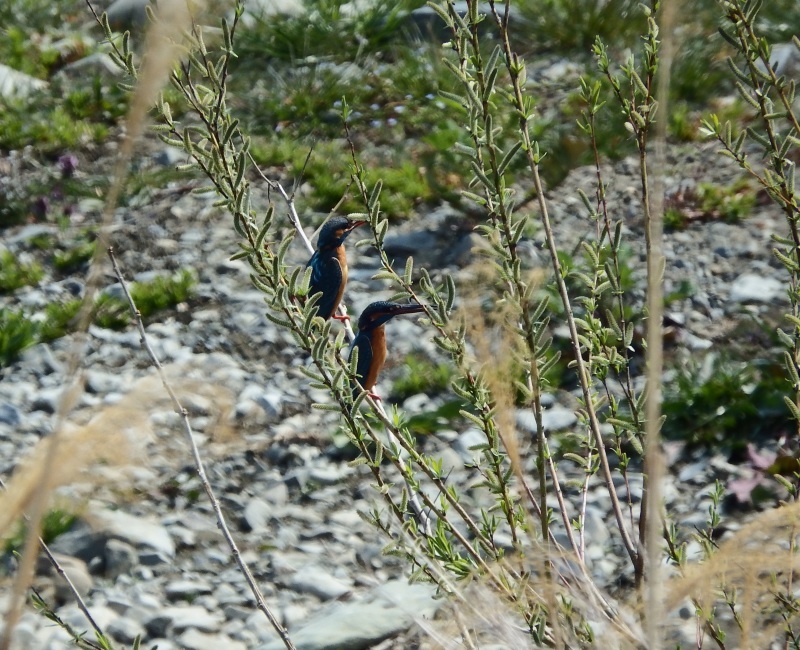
(287, 85)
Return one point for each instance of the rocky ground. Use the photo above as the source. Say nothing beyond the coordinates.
(146, 550)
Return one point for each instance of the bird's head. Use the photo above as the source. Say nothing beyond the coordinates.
(378, 313)
(335, 231)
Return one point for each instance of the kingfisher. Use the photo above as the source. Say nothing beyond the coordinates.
(371, 340)
(329, 266)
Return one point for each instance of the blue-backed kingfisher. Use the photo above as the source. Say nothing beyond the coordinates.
(329, 266)
(371, 340)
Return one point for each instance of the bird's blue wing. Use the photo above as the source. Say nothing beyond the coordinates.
(326, 277)
(316, 272)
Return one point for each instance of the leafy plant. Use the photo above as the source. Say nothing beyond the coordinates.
(15, 274)
(573, 25)
(326, 28)
(724, 402)
(162, 292)
(38, 120)
(112, 312)
(59, 319)
(74, 258)
(421, 375)
(55, 522)
(616, 441)
(17, 333)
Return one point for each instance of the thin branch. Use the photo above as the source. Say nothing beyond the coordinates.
(198, 461)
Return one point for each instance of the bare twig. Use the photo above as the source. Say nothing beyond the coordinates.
(198, 461)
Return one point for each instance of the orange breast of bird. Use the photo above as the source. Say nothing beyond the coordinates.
(378, 341)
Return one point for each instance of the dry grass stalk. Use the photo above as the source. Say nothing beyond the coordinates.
(162, 53)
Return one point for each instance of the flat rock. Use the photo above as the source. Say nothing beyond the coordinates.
(386, 611)
(195, 640)
(314, 580)
(9, 414)
(121, 558)
(14, 83)
(176, 619)
(137, 531)
(749, 287)
(187, 589)
(125, 629)
(556, 418)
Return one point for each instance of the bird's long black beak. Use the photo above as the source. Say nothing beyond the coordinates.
(406, 309)
(353, 225)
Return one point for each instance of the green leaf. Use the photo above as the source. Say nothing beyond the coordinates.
(408, 270)
(792, 407)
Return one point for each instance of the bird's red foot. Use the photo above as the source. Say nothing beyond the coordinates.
(341, 318)
(375, 396)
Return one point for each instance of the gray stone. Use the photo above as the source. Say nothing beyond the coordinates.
(137, 531)
(187, 589)
(329, 475)
(125, 629)
(82, 542)
(386, 611)
(693, 472)
(418, 403)
(315, 580)
(170, 157)
(430, 25)
(46, 400)
(749, 287)
(178, 618)
(14, 83)
(468, 439)
(193, 639)
(121, 558)
(556, 418)
(127, 14)
(257, 514)
(9, 414)
(28, 232)
(78, 573)
(784, 58)
(595, 527)
(272, 403)
(101, 382)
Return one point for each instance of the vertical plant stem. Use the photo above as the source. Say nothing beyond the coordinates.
(651, 520)
(513, 65)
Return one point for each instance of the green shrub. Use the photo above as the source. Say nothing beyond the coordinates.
(74, 258)
(573, 25)
(59, 319)
(421, 375)
(162, 293)
(325, 30)
(725, 402)
(17, 333)
(14, 274)
(55, 522)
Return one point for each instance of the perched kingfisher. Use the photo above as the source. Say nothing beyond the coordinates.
(329, 266)
(371, 340)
